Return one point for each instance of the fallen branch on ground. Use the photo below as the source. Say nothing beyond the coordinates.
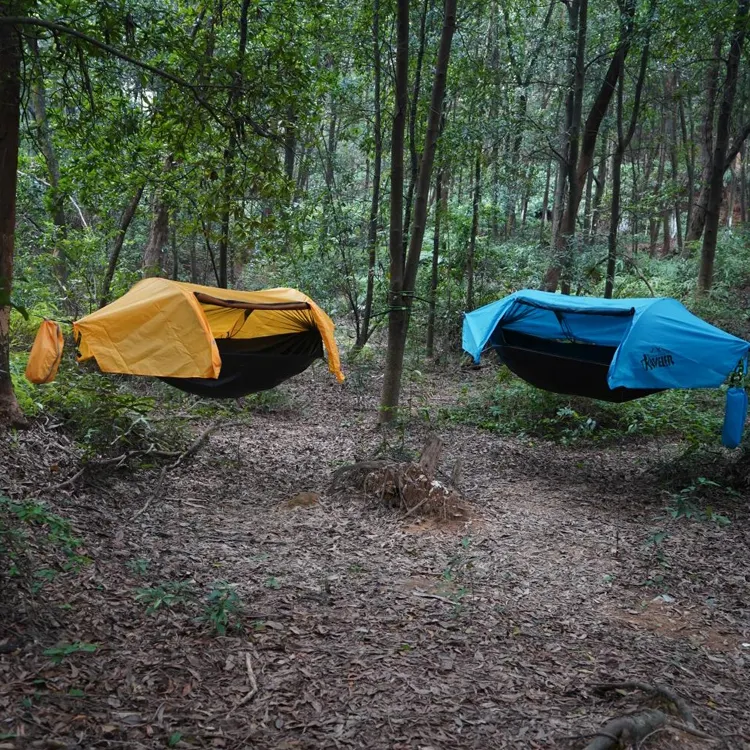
(189, 451)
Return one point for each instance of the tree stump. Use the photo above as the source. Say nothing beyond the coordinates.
(410, 486)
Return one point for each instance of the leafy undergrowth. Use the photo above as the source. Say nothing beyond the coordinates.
(512, 407)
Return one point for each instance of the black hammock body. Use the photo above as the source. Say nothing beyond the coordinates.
(253, 365)
(568, 367)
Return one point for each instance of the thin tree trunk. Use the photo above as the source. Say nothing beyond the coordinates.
(698, 214)
(470, 256)
(158, 237)
(587, 206)
(687, 145)
(47, 147)
(601, 181)
(440, 200)
(290, 145)
(372, 236)
(402, 293)
(657, 220)
(545, 202)
(10, 103)
(114, 256)
(229, 154)
(413, 155)
(397, 316)
(743, 187)
(673, 161)
(713, 205)
(194, 260)
(623, 141)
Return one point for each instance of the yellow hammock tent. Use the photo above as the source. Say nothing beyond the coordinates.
(216, 343)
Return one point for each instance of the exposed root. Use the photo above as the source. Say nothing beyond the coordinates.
(632, 730)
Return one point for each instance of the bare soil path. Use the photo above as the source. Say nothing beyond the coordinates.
(362, 630)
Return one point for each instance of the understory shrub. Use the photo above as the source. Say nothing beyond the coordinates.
(513, 407)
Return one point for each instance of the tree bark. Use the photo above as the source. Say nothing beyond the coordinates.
(10, 103)
(372, 234)
(158, 236)
(687, 145)
(397, 315)
(413, 107)
(229, 153)
(578, 168)
(47, 148)
(601, 181)
(470, 256)
(114, 256)
(713, 204)
(402, 293)
(441, 199)
(698, 214)
(623, 141)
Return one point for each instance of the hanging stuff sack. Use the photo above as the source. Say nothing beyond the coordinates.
(46, 353)
(735, 415)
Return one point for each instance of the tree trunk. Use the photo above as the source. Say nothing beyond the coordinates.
(413, 107)
(47, 147)
(577, 169)
(441, 198)
(403, 283)
(397, 315)
(114, 256)
(158, 237)
(587, 206)
(372, 235)
(290, 145)
(708, 252)
(673, 161)
(228, 188)
(601, 181)
(10, 96)
(623, 141)
(545, 202)
(470, 255)
(687, 145)
(656, 221)
(563, 236)
(698, 214)
(743, 187)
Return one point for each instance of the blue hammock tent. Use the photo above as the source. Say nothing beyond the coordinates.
(613, 350)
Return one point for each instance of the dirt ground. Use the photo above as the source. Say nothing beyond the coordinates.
(361, 629)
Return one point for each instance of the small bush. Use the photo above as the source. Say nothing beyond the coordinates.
(101, 412)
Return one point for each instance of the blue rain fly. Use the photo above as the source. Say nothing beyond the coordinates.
(658, 343)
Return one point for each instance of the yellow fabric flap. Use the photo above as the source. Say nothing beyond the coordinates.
(46, 353)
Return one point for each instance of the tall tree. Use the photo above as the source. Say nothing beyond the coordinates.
(719, 161)
(577, 168)
(10, 97)
(404, 270)
(623, 141)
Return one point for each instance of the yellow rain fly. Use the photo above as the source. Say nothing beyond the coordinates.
(166, 328)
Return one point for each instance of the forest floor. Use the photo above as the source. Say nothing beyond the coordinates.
(359, 628)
